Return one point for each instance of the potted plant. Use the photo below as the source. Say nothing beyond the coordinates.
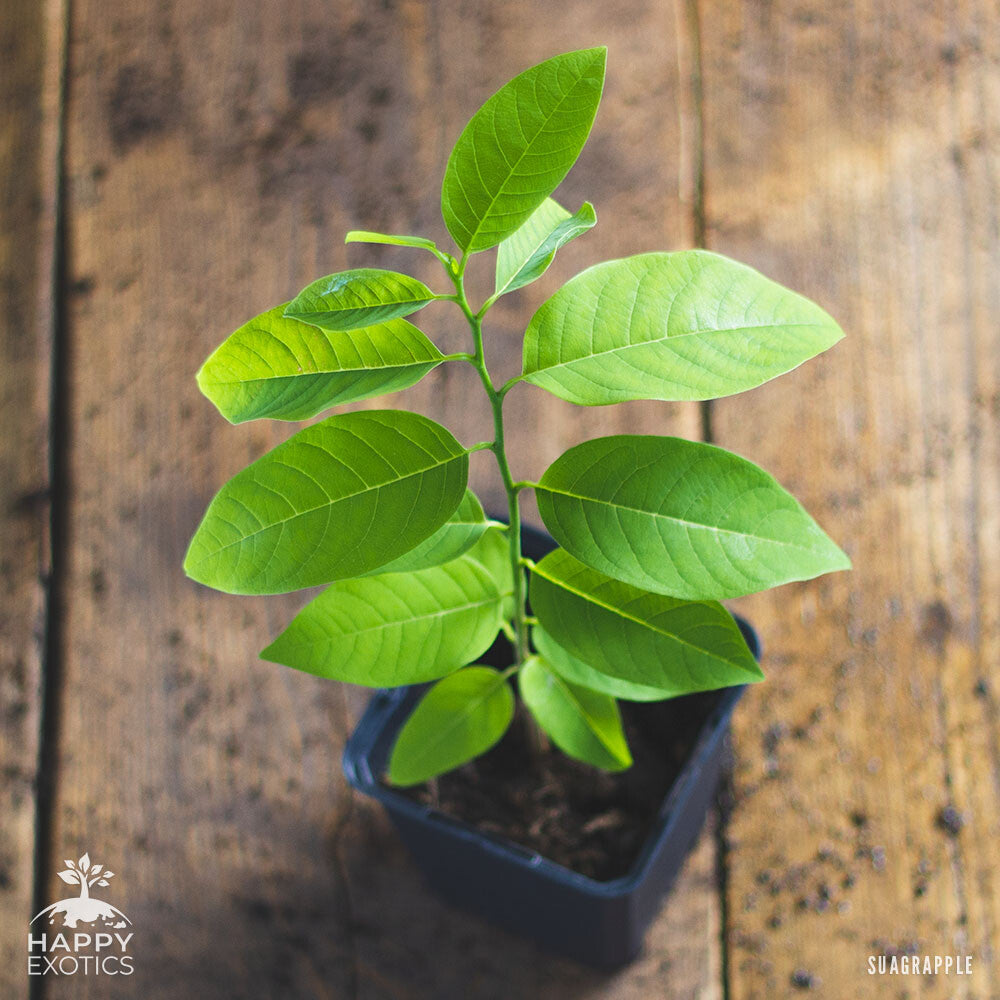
(428, 599)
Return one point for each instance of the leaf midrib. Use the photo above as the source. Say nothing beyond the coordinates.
(460, 717)
(330, 371)
(364, 307)
(661, 692)
(667, 337)
(311, 510)
(584, 716)
(677, 520)
(400, 279)
(524, 152)
(496, 598)
(519, 270)
(632, 618)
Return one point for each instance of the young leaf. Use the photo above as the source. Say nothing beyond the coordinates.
(457, 535)
(395, 628)
(676, 646)
(388, 239)
(353, 299)
(104, 881)
(584, 724)
(680, 518)
(84, 863)
(564, 663)
(338, 499)
(674, 326)
(525, 256)
(459, 718)
(70, 877)
(282, 368)
(518, 146)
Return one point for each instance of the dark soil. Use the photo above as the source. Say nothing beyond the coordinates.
(582, 818)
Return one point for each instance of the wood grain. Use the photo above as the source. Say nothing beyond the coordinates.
(852, 154)
(31, 43)
(216, 155)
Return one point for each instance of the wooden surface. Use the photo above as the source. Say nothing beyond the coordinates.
(214, 156)
(31, 42)
(852, 153)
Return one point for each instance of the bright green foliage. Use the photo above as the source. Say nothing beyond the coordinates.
(518, 146)
(388, 239)
(525, 255)
(656, 641)
(495, 558)
(315, 509)
(680, 518)
(685, 325)
(279, 367)
(456, 536)
(375, 503)
(459, 718)
(354, 299)
(396, 628)
(564, 663)
(584, 724)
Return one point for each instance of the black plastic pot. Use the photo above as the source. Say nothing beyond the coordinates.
(598, 923)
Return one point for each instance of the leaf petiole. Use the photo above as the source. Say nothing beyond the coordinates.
(508, 385)
(487, 305)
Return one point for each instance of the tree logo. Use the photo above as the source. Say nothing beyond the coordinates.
(103, 948)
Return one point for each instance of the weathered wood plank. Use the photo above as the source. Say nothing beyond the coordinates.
(31, 46)
(852, 153)
(216, 157)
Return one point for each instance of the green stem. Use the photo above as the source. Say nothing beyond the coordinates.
(478, 361)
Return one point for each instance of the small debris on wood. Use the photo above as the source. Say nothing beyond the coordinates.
(803, 980)
(950, 820)
(858, 819)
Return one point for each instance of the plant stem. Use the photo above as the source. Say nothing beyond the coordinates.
(496, 397)
(536, 739)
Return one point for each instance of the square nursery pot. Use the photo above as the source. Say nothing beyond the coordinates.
(598, 923)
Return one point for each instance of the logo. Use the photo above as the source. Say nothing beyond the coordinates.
(81, 933)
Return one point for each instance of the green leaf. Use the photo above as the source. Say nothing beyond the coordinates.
(493, 552)
(388, 239)
(395, 628)
(282, 368)
(676, 646)
(456, 536)
(525, 256)
(680, 518)
(353, 299)
(584, 724)
(564, 663)
(459, 718)
(674, 326)
(518, 146)
(338, 499)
